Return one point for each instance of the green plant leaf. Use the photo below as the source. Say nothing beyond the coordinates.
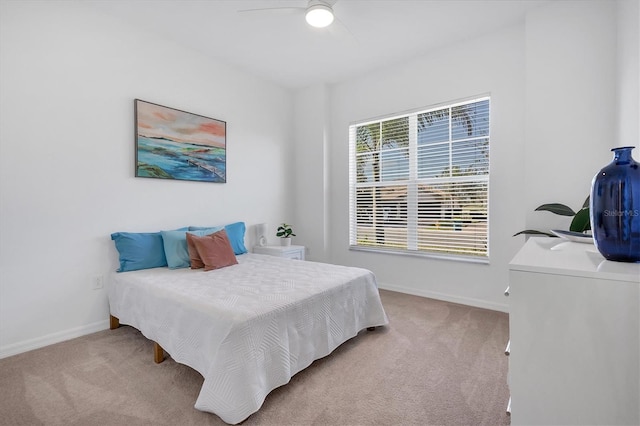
(586, 202)
(534, 232)
(285, 231)
(581, 221)
(557, 208)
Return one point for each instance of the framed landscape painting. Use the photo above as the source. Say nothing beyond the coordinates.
(174, 144)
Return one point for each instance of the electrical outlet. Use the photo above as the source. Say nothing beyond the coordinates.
(98, 282)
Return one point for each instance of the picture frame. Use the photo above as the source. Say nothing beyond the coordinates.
(175, 144)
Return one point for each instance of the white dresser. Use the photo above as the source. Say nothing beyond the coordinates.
(574, 328)
(291, 252)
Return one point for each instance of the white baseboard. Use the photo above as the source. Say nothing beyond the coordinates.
(50, 339)
(446, 297)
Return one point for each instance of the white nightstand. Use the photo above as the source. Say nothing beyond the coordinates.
(290, 252)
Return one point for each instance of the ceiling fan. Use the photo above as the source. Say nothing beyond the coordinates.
(317, 13)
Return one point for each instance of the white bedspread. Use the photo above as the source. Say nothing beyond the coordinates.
(250, 327)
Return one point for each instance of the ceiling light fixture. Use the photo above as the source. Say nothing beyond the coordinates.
(319, 14)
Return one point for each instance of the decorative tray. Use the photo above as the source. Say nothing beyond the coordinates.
(577, 237)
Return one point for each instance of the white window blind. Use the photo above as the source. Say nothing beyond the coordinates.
(419, 182)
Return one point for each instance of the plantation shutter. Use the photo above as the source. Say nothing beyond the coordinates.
(418, 183)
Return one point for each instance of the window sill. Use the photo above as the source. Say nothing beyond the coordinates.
(453, 257)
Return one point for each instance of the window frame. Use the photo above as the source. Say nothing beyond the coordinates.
(412, 210)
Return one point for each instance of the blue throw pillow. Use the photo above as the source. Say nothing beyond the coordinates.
(235, 232)
(139, 250)
(175, 246)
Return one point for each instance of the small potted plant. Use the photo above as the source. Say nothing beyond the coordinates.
(285, 233)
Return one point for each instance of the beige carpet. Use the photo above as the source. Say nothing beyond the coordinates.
(436, 363)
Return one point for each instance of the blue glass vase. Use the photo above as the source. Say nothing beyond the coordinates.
(615, 208)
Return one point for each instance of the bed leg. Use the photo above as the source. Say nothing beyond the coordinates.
(370, 328)
(113, 322)
(158, 353)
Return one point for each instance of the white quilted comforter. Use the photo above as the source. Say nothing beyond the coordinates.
(247, 328)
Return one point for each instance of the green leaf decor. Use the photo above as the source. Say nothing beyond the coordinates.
(581, 220)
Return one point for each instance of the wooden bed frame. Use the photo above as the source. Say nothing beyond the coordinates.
(158, 352)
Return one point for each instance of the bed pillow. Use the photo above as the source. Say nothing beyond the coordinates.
(215, 250)
(176, 249)
(139, 250)
(235, 233)
(195, 261)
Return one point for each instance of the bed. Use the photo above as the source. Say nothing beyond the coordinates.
(247, 328)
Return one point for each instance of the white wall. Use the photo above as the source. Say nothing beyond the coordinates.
(570, 104)
(68, 77)
(493, 64)
(628, 76)
(311, 133)
(552, 82)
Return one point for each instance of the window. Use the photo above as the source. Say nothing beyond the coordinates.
(418, 182)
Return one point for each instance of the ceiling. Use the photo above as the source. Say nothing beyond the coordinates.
(279, 46)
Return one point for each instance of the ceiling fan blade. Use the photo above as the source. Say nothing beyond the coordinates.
(339, 29)
(266, 9)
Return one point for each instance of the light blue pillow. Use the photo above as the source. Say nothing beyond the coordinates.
(201, 232)
(175, 246)
(235, 233)
(175, 249)
(139, 250)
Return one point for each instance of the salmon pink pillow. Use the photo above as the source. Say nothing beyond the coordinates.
(212, 251)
